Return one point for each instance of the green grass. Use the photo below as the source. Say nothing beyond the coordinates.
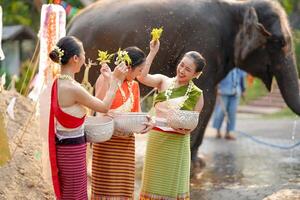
(296, 36)
(254, 91)
(284, 113)
(4, 146)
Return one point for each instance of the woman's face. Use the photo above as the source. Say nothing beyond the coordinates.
(186, 70)
(79, 61)
(133, 73)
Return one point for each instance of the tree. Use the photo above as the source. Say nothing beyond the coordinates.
(291, 6)
(20, 12)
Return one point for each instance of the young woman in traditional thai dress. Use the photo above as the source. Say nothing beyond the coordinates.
(166, 172)
(113, 165)
(67, 146)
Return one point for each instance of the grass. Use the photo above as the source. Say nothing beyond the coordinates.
(257, 90)
(254, 91)
(296, 36)
(284, 113)
(4, 147)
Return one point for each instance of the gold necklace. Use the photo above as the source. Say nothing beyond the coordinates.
(65, 77)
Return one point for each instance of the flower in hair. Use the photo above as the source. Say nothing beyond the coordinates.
(60, 53)
(122, 56)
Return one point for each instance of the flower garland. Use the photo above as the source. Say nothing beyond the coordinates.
(169, 92)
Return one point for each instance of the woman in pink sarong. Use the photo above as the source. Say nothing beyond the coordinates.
(67, 145)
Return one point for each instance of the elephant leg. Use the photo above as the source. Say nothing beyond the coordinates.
(198, 133)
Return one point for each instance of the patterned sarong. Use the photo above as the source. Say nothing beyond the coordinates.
(113, 165)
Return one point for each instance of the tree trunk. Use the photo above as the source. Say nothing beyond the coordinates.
(38, 4)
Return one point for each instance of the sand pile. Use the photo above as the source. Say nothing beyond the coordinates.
(21, 177)
(286, 194)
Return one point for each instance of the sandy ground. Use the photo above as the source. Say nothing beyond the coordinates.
(21, 177)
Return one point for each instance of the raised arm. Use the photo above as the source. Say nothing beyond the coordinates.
(103, 82)
(151, 80)
(84, 98)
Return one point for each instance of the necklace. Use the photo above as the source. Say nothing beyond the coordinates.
(127, 107)
(169, 92)
(66, 77)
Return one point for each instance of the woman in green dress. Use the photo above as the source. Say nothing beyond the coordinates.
(167, 161)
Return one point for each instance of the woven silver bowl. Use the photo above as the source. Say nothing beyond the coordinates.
(98, 129)
(129, 122)
(183, 119)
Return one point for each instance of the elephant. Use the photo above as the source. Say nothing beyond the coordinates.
(253, 35)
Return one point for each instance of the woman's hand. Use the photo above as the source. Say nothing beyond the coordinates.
(149, 125)
(105, 71)
(120, 71)
(154, 46)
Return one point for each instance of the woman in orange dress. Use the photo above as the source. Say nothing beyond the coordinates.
(113, 165)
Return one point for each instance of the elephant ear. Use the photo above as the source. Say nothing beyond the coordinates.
(251, 36)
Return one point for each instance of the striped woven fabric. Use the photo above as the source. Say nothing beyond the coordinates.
(71, 162)
(167, 167)
(113, 169)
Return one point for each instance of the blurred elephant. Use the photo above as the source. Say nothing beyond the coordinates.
(253, 35)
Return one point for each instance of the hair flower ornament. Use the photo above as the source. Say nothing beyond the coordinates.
(122, 56)
(60, 53)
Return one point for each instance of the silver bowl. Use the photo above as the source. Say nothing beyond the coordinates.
(98, 129)
(183, 119)
(129, 122)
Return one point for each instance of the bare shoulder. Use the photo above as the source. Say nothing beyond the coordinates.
(70, 88)
(77, 88)
(68, 92)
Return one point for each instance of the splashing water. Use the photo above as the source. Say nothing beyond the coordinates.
(292, 159)
(293, 139)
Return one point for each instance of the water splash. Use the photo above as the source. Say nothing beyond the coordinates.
(293, 139)
(292, 159)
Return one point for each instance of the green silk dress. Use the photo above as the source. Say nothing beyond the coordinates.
(166, 173)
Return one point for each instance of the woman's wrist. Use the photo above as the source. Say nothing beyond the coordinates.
(114, 83)
(152, 54)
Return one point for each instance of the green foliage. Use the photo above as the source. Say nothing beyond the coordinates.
(24, 76)
(284, 113)
(75, 3)
(20, 12)
(288, 5)
(256, 90)
(296, 35)
(25, 12)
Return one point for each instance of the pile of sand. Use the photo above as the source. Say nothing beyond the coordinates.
(21, 177)
(284, 194)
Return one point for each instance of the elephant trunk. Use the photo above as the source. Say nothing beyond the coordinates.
(287, 79)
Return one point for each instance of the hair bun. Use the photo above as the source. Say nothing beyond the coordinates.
(54, 56)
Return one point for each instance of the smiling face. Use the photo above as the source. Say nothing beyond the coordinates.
(186, 70)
